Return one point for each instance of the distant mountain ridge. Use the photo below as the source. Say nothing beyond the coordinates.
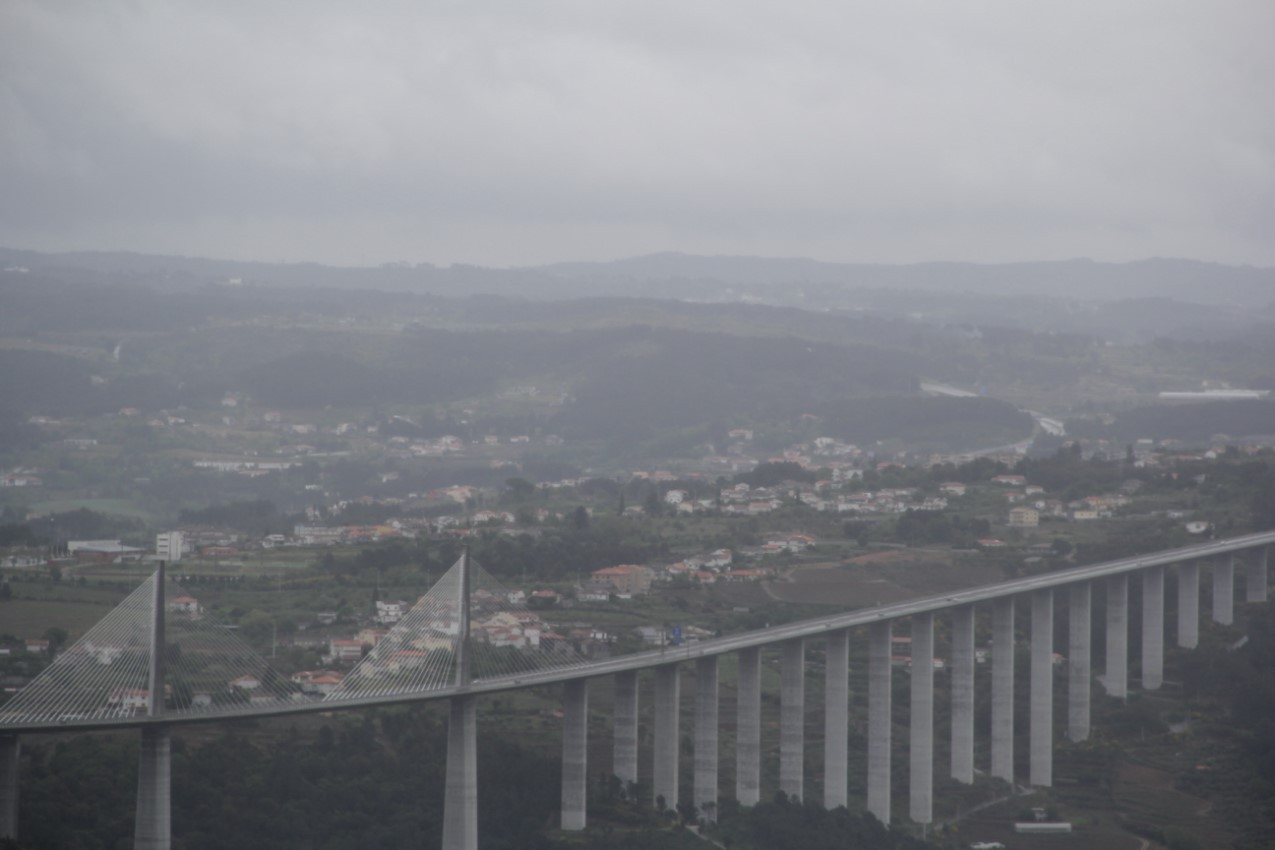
(1185, 280)
(696, 277)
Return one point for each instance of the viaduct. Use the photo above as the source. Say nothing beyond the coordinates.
(460, 830)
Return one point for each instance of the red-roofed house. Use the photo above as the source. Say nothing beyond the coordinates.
(345, 650)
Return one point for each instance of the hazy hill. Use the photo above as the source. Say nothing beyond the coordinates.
(1184, 280)
(694, 277)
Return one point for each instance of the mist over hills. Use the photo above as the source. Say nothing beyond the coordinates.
(659, 352)
(1184, 280)
(693, 277)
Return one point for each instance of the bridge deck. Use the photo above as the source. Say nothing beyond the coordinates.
(717, 646)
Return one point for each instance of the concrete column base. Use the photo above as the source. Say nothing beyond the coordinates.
(963, 694)
(625, 731)
(1255, 584)
(1003, 688)
(1189, 604)
(921, 743)
(748, 728)
(792, 720)
(1079, 660)
(575, 752)
(879, 721)
(10, 754)
(1152, 628)
(1224, 590)
(667, 738)
(153, 826)
(836, 733)
(1041, 771)
(460, 800)
(1116, 676)
(705, 787)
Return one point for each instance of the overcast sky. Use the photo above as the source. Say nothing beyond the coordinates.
(511, 133)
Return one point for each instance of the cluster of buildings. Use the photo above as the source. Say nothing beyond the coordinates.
(21, 476)
(33, 645)
(629, 580)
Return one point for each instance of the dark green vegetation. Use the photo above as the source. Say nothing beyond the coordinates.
(1193, 423)
(368, 780)
(1242, 681)
(360, 781)
(645, 391)
(789, 823)
(1189, 766)
(90, 335)
(927, 421)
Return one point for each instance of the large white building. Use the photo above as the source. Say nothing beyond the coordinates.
(169, 546)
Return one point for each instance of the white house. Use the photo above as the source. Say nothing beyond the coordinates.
(132, 700)
(184, 605)
(389, 612)
(170, 546)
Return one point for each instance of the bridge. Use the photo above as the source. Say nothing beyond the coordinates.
(451, 647)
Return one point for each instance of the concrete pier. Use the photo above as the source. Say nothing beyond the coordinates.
(963, 694)
(1116, 677)
(1189, 604)
(668, 692)
(575, 752)
(152, 818)
(705, 785)
(460, 795)
(879, 692)
(836, 729)
(152, 826)
(1224, 590)
(10, 753)
(792, 718)
(1003, 688)
(1041, 769)
(1079, 660)
(921, 743)
(1255, 576)
(625, 731)
(748, 728)
(1152, 628)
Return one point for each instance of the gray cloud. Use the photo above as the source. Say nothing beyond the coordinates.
(509, 132)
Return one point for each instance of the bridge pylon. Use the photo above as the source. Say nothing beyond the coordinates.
(152, 818)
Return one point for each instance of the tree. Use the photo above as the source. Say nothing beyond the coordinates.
(56, 636)
(1264, 503)
(653, 506)
(580, 518)
(520, 488)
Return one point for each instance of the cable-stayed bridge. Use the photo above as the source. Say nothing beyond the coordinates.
(155, 662)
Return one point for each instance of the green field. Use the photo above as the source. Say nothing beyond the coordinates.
(30, 618)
